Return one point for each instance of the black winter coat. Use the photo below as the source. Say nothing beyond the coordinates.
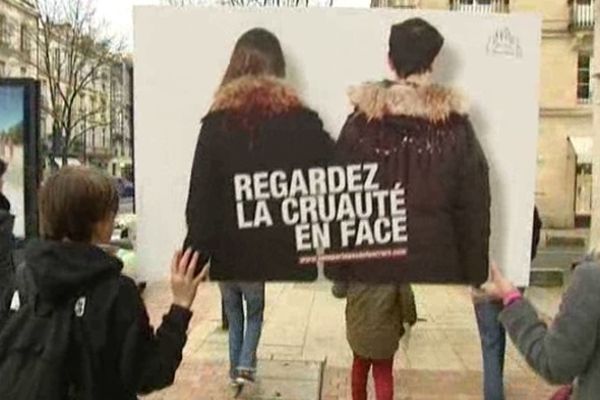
(420, 135)
(128, 357)
(7, 222)
(255, 124)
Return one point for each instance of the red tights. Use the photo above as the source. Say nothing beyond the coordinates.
(382, 375)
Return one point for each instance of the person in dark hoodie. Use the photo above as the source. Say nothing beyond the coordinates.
(7, 221)
(256, 124)
(77, 209)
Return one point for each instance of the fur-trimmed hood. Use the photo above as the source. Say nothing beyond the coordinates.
(255, 98)
(417, 98)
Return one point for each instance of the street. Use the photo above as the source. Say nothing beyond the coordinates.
(304, 323)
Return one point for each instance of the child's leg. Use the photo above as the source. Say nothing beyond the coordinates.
(383, 376)
(360, 375)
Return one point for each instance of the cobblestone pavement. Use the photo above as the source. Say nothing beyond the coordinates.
(440, 359)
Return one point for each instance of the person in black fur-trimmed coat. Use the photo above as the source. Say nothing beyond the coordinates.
(420, 134)
(257, 122)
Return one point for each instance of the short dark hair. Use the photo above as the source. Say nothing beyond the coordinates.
(257, 52)
(3, 167)
(73, 200)
(413, 45)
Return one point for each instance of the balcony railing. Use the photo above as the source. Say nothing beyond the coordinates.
(480, 6)
(396, 3)
(582, 14)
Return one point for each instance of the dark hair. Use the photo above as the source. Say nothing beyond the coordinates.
(73, 200)
(413, 46)
(257, 52)
(3, 167)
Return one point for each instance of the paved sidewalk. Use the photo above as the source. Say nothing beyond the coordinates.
(441, 358)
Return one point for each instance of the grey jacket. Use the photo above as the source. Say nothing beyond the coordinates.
(569, 349)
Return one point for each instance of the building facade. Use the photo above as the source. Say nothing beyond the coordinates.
(563, 193)
(18, 53)
(121, 118)
(103, 133)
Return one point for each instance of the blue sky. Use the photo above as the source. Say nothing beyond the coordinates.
(11, 106)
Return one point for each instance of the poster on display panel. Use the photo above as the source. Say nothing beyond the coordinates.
(19, 133)
(334, 158)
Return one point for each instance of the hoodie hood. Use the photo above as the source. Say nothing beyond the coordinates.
(62, 269)
(251, 99)
(414, 97)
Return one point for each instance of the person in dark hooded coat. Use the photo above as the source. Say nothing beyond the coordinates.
(121, 355)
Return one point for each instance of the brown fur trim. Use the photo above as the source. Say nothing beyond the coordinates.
(429, 101)
(258, 97)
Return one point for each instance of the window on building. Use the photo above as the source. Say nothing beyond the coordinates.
(24, 43)
(43, 127)
(584, 78)
(4, 30)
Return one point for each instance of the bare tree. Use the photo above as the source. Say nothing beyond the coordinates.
(74, 57)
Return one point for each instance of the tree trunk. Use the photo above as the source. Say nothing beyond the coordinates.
(65, 149)
(56, 147)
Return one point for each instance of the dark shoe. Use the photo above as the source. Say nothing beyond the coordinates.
(245, 376)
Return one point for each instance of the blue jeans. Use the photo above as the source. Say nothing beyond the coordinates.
(493, 346)
(243, 343)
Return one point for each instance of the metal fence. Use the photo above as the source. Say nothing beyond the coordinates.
(582, 14)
